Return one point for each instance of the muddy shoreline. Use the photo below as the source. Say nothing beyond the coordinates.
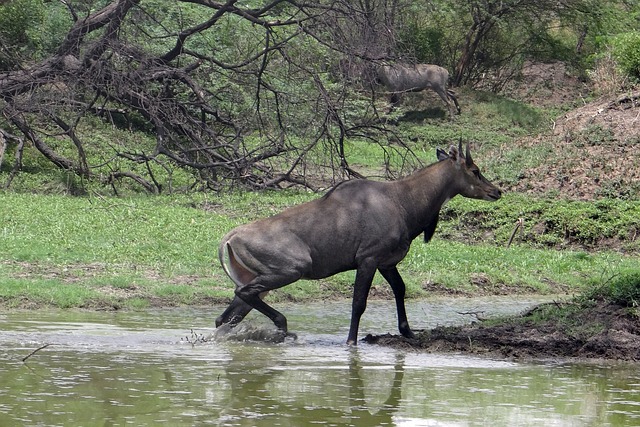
(603, 331)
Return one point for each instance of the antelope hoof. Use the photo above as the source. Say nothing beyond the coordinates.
(282, 335)
(233, 321)
(291, 335)
(409, 334)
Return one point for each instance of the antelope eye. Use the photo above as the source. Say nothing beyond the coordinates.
(476, 172)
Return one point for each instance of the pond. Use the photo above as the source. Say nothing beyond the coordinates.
(151, 368)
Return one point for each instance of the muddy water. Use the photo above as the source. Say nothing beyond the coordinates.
(117, 369)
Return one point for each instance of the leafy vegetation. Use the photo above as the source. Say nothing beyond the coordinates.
(622, 289)
(548, 222)
(626, 52)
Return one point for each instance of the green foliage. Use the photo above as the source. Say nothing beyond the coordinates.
(18, 20)
(17, 17)
(501, 35)
(626, 52)
(625, 289)
(422, 41)
(31, 29)
(622, 289)
(53, 29)
(434, 32)
(549, 46)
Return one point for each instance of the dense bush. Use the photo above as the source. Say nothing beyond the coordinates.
(626, 52)
(19, 22)
(623, 289)
(423, 42)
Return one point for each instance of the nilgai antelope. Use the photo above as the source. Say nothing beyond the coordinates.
(399, 78)
(358, 225)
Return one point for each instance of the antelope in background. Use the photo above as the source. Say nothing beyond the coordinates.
(358, 225)
(400, 78)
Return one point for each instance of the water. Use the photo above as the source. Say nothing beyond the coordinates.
(117, 369)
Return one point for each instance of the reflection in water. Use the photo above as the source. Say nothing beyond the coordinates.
(117, 369)
(333, 395)
(360, 410)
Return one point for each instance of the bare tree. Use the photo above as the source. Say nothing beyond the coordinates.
(236, 93)
(522, 22)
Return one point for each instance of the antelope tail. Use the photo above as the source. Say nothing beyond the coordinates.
(234, 267)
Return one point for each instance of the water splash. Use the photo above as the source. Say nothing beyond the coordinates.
(248, 331)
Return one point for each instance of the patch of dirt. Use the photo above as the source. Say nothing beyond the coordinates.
(593, 148)
(79, 272)
(594, 155)
(602, 332)
(547, 84)
(67, 273)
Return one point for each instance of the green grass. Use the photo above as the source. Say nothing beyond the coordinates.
(487, 119)
(43, 292)
(134, 252)
(453, 264)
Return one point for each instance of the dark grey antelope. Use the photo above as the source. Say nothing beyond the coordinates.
(358, 225)
(400, 78)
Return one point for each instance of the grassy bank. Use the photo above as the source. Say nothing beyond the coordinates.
(106, 253)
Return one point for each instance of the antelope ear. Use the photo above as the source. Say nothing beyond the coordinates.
(441, 154)
(469, 160)
(454, 154)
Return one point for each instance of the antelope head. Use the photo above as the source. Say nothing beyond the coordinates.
(469, 181)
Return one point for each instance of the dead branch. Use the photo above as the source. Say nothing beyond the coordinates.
(223, 115)
(626, 101)
(137, 178)
(518, 226)
(24, 359)
(478, 314)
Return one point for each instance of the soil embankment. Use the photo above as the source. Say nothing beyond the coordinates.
(602, 331)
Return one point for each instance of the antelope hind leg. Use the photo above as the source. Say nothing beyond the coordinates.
(234, 314)
(253, 299)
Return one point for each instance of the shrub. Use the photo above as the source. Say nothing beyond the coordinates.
(626, 52)
(30, 29)
(423, 42)
(16, 17)
(623, 289)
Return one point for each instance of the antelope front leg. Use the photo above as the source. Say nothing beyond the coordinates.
(392, 276)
